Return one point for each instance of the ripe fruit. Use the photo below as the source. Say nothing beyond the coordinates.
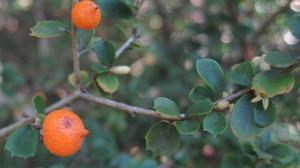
(63, 132)
(86, 15)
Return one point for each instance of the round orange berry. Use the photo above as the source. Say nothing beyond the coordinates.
(63, 132)
(86, 15)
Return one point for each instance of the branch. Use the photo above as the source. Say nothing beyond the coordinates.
(125, 46)
(75, 55)
(266, 23)
(132, 110)
(234, 96)
(8, 129)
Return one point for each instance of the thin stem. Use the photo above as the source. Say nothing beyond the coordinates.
(132, 110)
(234, 96)
(125, 46)
(76, 64)
(8, 129)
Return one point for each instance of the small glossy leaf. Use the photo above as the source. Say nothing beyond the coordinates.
(199, 93)
(105, 51)
(48, 28)
(187, 126)
(115, 9)
(84, 78)
(212, 74)
(166, 106)
(39, 104)
(23, 142)
(242, 121)
(84, 38)
(99, 68)
(162, 139)
(201, 107)
(215, 123)
(279, 59)
(107, 82)
(294, 25)
(264, 118)
(241, 74)
(281, 152)
(270, 83)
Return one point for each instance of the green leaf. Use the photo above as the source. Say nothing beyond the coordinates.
(230, 161)
(99, 68)
(270, 83)
(279, 59)
(215, 123)
(166, 106)
(39, 104)
(84, 38)
(23, 142)
(84, 78)
(49, 28)
(260, 153)
(200, 108)
(242, 122)
(199, 93)
(187, 126)
(162, 139)
(107, 82)
(241, 74)
(105, 51)
(294, 25)
(118, 9)
(212, 74)
(264, 118)
(281, 152)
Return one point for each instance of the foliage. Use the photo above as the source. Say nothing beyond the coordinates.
(224, 106)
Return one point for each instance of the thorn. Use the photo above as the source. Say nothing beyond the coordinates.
(265, 103)
(256, 99)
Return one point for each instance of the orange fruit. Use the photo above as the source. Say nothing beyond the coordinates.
(63, 132)
(86, 15)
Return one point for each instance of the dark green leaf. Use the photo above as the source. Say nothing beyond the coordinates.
(279, 59)
(99, 68)
(215, 123)
(105, 51)
(212, 74)
(115, 9)
(187, 126)
(242, 122)
(281, 152)
(84, 38)
(201, 107)
(107, 82)
(166, 106)
(162, 139)
(270, 83)
(264, 118)
(39, 104)
(294, 25)
(48, 28)
(23, 142)
(199, 93)
(241, 74)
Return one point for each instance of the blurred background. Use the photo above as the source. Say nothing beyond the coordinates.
(174, 34)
